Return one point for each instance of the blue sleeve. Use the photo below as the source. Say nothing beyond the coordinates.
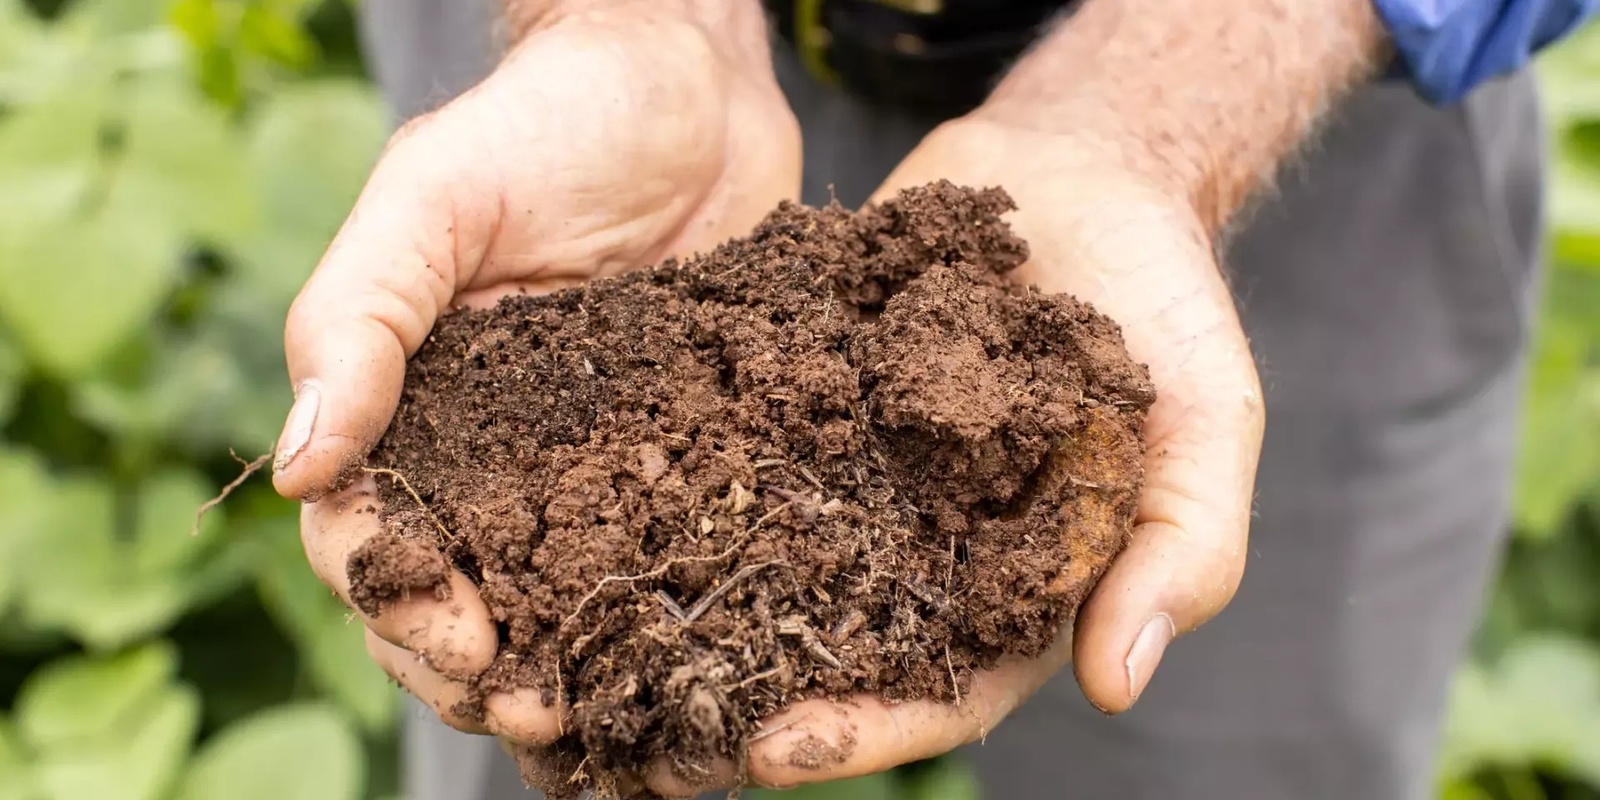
(1448, 47)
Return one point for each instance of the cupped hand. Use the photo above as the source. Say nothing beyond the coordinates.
(1140, 254)
(607, 140)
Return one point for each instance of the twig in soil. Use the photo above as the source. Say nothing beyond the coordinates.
(806, 473)
(1077, 481)
(822, 654)
(950, 570)
(809, 641)
(752, 679)
(704, 605)
(401, 479)
(561, 725)
(765, 732)
(250, 468)
(850, 624)
(662, 570)
(577, 774)
(955, 685)
(670, 604)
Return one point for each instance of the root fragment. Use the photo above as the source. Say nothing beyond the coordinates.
(250, 468)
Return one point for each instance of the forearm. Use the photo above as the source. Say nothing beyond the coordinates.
(738, 25)
(1206, 99)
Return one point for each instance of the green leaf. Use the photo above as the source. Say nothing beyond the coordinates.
(183, 163)
(45, 63)
(1476, 733)
(878, 786)
(1559, 454)
(82, 698)
(198, 21)
(333, 647)
(308, 178)
(270, 34)
(16, 773)
(138, 762)
(26, 497)
(75, 558)
(73, 291)
(1540, 705)
(48, 154)
(216, 387)
(85, 583)
(167, 505)
(944, 779)
(306, 751)
(13, 371)
(1462, 789)
(104, 17)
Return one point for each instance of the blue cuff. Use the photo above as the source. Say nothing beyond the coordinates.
(1449, 47)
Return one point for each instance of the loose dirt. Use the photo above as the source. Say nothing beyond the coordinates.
(840, 455)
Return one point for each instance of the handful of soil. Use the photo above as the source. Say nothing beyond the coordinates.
(840, 455)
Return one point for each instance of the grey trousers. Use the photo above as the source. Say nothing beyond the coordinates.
(1387, 290)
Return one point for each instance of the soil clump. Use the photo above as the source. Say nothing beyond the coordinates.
(840, 455)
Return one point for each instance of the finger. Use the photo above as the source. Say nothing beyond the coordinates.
(676, 778)
(1187, 553)
(560, 769)
(818, 740)
(441, 694)
(518, 718)
(522, 717)
(456, 635)
(384, 280)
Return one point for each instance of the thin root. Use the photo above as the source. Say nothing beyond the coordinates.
(662, 570)
(765, 732)
(752, 679)
(704, 605)
(405, 484)
(577, 774)
(561, 727)
(955, 685)
(250, 468)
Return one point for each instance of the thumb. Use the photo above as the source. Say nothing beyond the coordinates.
(389, 273)
(1187, 553)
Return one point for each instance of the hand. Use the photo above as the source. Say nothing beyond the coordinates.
(607, 140)
(1142, 256)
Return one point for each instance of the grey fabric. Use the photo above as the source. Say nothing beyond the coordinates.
(1387, 289)
(422, 53)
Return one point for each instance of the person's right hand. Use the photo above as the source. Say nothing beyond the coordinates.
(609, 139)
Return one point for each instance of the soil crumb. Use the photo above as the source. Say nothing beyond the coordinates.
(843, 454)
(386, 568)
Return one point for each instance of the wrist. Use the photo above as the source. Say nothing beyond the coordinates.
(1101, 145)
(1205, 104)
(1061, 180)
(739, 24)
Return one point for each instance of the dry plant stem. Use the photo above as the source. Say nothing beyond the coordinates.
(705, 602)
(561, 726)
(664, 568)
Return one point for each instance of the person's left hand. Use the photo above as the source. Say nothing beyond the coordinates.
(1126, 244)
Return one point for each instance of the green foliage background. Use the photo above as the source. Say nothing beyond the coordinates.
(170, 170)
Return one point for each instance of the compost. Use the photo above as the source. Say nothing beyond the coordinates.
(843, 454)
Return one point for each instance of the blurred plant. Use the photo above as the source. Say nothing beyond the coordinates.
(1525, 713)
(172, 169)
(171, 173)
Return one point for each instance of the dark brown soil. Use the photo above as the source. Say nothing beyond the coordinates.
(840, 455)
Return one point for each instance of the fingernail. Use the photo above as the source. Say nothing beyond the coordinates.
(1146, 652)
(297, 430)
